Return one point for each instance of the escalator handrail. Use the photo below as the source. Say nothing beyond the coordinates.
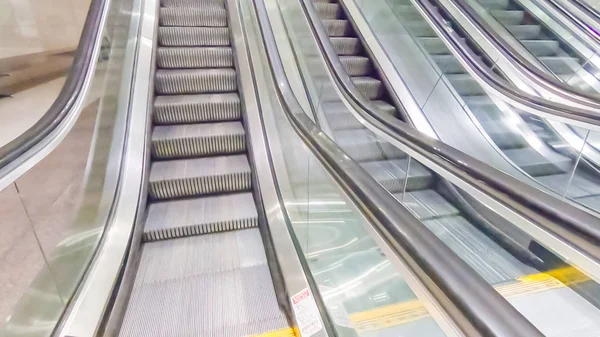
(457, 287)
(536, 75)
(531, 202)
(71, 92)
(589, 25)
(586, 118)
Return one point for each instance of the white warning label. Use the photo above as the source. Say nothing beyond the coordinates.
(307, 314)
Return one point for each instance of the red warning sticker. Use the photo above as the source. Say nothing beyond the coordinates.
(306, 312)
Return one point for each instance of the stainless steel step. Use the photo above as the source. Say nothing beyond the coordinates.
(178, 109)
(356, 65)
(491, 261)
(420, 28)
(434, 45)
(193, 36)
(508, 17)
(494, 4)
(369, 86)
(427, 204)
(561, 65)
(483, 108)
(199, 176)
(465, 85)
(178, 218)
(194, 57)
(525, 32)
(533, 162)
(362, 145)
(193, 140)
(502, 135)
(580, 187)
(195, 81)
(336, 27)
(211, 16)
(192, 3)
(541, 47)
(207, 285)
(328, 10)
(392, 173)
(448, 64)
(346, 45)
(339, 118)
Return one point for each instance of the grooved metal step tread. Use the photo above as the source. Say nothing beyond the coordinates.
(420, 28)
(197, 108)
(210, 16)
(194, 57)
(434, 45)
(541, 47)
(427, 204)
(362, 145)
(392, 173)
(199, 176)
(448, 64)
(192, 3)
(494, 4)
(525, 32)
(195, 81)
(356, 65)
(206, 285)
(193, 36)
(465, 85)
(370, 87)
(336, 27)
(340, 118)
(346, 45)
(503, 135)
(579, 187)
(179, 218)
(328, 10)
(561, 65)
(533, 162)
(508, 17)
(193, 140)
(490, 260)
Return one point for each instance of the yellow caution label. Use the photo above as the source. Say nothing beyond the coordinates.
(391, 315)
(287, 332)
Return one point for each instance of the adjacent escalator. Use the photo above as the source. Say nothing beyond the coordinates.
(200, 183)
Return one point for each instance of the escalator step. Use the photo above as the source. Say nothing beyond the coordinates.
(427, 204)
(193, 36)
(541, 47)
(178, 218)
(195, 81)
(186, 140)
(346, 45)
(197, 108)
(420, 28)
(328, 10)
(193, 177)
(336, 27)
(356, 65)
(465, 85)
(434, 45)
(561, 65)
(532, 162)
(192, 3)
(212, 16)
(370, 87)
(448, 64)
(339, 118)
(509, 17)
(525, 32)
(362, 145)
(494, 4)
(392, 173)
(194, 57)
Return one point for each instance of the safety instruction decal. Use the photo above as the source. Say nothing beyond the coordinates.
(307, 313)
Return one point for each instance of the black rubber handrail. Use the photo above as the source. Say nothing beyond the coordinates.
(473, 304)
(537, 75)
(576, 226)
(70, 92)
(584, 27)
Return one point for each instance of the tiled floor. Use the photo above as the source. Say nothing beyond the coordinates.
(26, 107)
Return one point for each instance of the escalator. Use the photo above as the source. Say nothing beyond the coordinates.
(517, 134)
(200, 183)
(435, 202)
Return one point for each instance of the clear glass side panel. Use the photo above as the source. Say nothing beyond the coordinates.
(364, 292)
(556, 295)
(52, 217)
(38, 40)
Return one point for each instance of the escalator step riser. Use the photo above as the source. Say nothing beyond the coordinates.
(200, 146)
(356, 65)
(494, 4)
(434, 45)
(346, 45)
(195, 81)
(177, 188)
(542, 47)
(197, 108)
(192, 3)
(193, 17)
(508, 17)
(369, 87)
(173, 233)
(336, 27)
(525, 32)
(194, 57)
(328, 10)
(193, 36)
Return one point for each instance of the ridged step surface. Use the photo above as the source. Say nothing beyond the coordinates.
(465, 85)
(392, 173)
(346, 45)
(199, 108)
(193, 36)
(211, 16)
(193, 3)
(189, 177)
(427, 204)
(194, 57)
(362, 145)
(173, 219)
(328, 10)
(195, 81)
(356, 65)
(336, 27)
(368, 86)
